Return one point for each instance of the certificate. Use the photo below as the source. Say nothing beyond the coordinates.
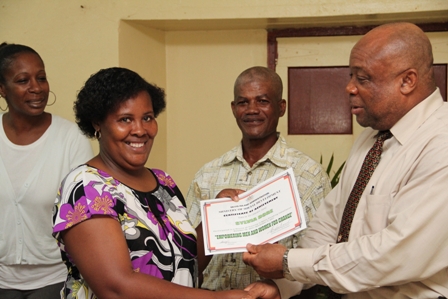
(266, 213)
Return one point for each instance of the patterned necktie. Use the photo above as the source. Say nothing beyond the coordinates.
(368, 166)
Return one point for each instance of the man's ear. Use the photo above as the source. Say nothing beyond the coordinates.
(409, 81)
(282, 107)
(233, 106)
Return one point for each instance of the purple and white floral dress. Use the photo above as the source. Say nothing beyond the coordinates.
(160, 238)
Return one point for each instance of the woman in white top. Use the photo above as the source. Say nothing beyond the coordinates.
(37, 150)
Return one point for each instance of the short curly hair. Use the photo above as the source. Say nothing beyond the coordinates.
(104, 91)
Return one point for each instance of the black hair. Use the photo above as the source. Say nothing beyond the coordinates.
(8, 52)
(104, 91)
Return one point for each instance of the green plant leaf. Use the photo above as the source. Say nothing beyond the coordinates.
(337, 174)
(330, 164)
(334, 180)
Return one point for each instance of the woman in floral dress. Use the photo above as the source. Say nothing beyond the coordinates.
(122, 228)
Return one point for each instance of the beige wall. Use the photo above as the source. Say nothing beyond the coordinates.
(194, 49)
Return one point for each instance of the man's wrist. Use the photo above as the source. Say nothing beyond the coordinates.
(286, 273)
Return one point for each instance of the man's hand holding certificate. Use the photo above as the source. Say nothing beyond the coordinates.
(267, 213)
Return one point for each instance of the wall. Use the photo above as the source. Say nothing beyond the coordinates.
(194, 48)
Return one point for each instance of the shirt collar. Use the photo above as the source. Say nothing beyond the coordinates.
(275, 154)
(411, 121)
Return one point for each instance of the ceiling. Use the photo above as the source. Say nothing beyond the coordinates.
(284, 23)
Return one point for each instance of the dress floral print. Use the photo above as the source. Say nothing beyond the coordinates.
(160, 238)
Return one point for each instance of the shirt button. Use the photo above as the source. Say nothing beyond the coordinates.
(249, 173)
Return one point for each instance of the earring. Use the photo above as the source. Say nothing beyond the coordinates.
(6, 104)
(97, 134)
(54, 99)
